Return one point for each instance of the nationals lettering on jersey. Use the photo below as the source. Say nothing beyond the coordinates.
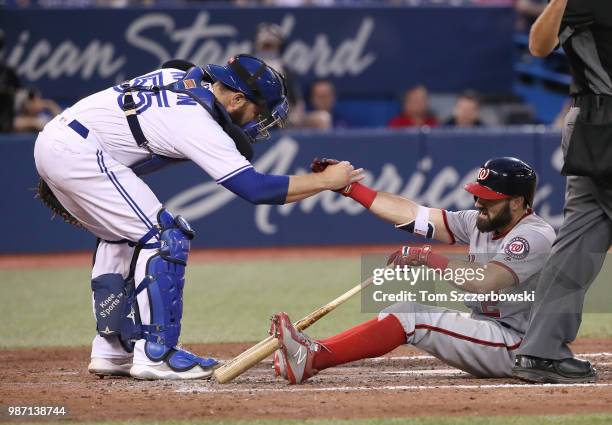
(522, 251)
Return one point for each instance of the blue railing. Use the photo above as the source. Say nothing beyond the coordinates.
(542, 82)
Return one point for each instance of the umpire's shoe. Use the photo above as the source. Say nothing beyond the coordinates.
(565, 371)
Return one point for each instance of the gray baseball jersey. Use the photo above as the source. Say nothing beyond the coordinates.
(522, 251)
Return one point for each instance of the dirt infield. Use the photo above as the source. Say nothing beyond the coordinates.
(406, 383)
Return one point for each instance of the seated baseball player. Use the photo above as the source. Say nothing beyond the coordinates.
(507, 241)
(90, 159)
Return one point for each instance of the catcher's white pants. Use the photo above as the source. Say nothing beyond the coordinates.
(479, 346)
(109, 200)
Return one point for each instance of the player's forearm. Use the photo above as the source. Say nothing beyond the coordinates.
(299, 197)
(334, 177)
(544, 33)
(303, 186)
(405, 213)
(259, 188)
(393, 208)
(477, 278)
(465, 275)
(469, 277)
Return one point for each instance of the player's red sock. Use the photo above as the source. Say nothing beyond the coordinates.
(370, 339)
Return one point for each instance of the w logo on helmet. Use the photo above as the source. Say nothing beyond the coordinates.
(483, 173)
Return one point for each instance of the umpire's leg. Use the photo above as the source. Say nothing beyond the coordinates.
(576, 259)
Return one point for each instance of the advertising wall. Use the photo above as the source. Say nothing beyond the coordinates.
(430, 167)
(380, 51)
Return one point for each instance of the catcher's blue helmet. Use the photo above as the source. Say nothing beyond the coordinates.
(259, 83)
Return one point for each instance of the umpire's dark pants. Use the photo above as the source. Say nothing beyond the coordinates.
(577, 257)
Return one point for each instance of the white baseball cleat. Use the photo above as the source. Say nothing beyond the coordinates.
(110, 366)
(294, 359)
(178, 364)
(164, 371)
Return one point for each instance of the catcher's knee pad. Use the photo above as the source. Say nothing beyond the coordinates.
(165, 278)
(116, 312)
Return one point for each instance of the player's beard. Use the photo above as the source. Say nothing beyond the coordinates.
(499, 221)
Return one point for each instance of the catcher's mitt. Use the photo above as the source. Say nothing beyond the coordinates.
(320, 164)
(43, 192)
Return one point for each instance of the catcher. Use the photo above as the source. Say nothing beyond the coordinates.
(90, 159)
(506, 240)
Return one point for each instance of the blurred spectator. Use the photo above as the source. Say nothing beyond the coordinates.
(415, 110)
(323, 103)
(466, 112)
(297, 3)
(9, 84)
(34, 111)
(527, 12)
(321, 120)
(269, 45)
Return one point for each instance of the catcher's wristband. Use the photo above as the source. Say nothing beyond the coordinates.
(360, 193)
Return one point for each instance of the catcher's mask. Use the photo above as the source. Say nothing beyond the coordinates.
(259, 83)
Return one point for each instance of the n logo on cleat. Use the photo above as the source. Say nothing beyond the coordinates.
(301, 355)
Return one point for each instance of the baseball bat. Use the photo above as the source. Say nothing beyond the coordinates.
(266, 347)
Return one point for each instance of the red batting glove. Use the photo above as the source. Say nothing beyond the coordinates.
(418, 256)
(360, 193)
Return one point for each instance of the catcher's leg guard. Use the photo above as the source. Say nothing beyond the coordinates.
(116, 313)
(165, 278)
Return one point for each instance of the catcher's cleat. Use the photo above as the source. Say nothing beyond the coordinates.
(566, 371)
(179, 364)
(110, 367)
(296, 353)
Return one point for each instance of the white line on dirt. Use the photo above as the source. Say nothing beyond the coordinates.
(426, 357)
(349, 371)
(214, 390)
(382, 359)
(604, 354)
(421, 372)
